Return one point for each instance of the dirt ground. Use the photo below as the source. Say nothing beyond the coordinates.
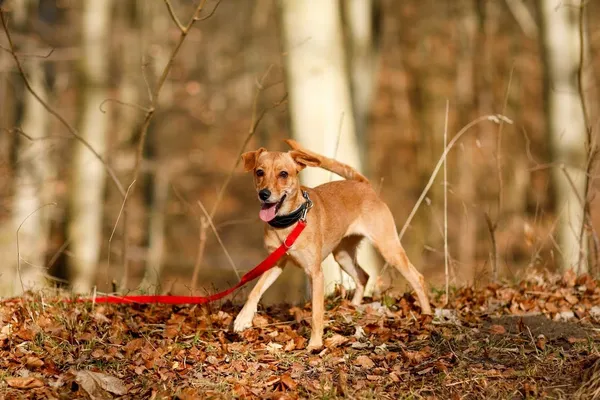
(538, 338)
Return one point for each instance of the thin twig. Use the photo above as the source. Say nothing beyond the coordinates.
(18, 243)
(210, 222)
(493, 118)
(123, 103)
(46, 106)
(174, 16)
(337, 142)
(116, 224)
(151, 109)
(29, 54)
(200, 254)
(446, 271)
(494, 253)
(499, 150)
(254, 124)
(210, 14)
(202, 227)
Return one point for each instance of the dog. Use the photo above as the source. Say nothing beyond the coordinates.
(343, 213)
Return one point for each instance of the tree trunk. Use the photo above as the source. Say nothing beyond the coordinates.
(566, 125)
(88, 174)
(33, 170)
(361, 19)
(319, 94)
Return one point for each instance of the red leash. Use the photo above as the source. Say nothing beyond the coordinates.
(261, 268)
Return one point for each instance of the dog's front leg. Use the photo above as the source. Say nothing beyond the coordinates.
(318, 309)
(244, 318)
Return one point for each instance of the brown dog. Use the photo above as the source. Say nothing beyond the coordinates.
(343, 213)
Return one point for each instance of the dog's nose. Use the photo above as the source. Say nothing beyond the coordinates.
(264, 194)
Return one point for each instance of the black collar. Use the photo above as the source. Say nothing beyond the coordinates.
(284, 221)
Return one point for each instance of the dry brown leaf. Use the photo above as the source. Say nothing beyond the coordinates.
(33, 362)
(498, 329)
(290, 345)
(260, 321)
(335, 341)
(287, 380)
(24, 383)
(96, 384)
(570, 278)
(364, 362)
(571, 299)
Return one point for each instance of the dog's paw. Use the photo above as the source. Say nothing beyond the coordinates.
(314, 345)
(243, 321)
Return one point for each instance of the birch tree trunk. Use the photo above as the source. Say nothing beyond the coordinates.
(319, 95)
(566, 124)
(88, 174)
(362, 44)
(33, 170)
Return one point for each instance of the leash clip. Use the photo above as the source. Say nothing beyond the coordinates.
(309, 205)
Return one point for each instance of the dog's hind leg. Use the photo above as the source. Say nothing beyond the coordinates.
(244, 318)
(345, 255)
(379, 227)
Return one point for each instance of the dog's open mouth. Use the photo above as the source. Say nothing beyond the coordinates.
(268, 211)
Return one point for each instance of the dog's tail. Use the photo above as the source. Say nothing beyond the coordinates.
(341, 169)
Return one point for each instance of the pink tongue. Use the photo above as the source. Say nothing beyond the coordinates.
(267, 212)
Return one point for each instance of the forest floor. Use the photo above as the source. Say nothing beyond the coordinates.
(535, 339)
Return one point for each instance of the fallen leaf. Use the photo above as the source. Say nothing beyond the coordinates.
(24, 383)
(571, 299)
(424, 371)
(364, 362)
(335, 341)
(96, 384)
(273, 347)
(260, 321)
(498, 329)
(290, 345)
(33, 362)
(287, 380)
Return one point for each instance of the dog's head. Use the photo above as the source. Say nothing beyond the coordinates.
(276, 177)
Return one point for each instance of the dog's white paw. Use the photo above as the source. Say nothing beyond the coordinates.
(243, 321)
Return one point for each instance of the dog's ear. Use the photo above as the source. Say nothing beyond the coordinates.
(303, 159)
(250, 158)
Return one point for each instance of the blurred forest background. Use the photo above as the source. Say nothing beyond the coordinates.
(98, 64)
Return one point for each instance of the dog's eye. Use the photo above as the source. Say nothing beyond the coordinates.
(260, 172)
(283, 174)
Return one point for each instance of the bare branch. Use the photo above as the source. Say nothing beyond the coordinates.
(71, 130)
(200, 254)
(210, 222)
(210, 14)
(496, 118)
(123, 103)
(174, 16)
(117, 223)
(152, 108)
(19, 230)
(29, 54)
(253, 125)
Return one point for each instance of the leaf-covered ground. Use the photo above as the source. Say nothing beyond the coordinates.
(537, 339)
